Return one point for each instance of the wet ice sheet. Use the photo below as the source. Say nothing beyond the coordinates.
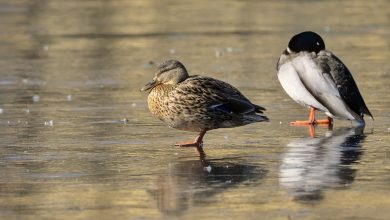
(71, 74)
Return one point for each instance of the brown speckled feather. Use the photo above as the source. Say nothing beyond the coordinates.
(202, 103)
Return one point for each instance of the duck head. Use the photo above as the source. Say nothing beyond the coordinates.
(170, 72)
(306, 41)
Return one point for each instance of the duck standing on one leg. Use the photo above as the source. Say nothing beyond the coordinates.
(316, 78)
(197, 103)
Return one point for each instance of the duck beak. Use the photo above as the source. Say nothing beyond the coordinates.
(149, 85)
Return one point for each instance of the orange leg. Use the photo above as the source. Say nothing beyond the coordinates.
(197, 143)
(312, 120)
(308, 122)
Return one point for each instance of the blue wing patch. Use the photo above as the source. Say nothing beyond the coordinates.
(223, 107)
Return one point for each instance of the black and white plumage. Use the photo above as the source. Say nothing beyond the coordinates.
(316, 78)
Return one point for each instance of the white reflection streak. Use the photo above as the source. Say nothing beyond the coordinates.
(312, 164)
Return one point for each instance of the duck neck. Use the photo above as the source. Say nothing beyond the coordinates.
(156, 99)
(161, 90)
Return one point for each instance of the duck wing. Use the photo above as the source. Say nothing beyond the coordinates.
(316, 74)
(339, 75)
(217, 95)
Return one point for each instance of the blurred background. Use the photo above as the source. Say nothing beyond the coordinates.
(77, 140)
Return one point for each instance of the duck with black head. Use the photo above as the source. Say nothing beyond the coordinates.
(197, 103)
(314, 77)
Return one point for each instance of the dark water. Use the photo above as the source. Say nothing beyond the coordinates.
(78, 142)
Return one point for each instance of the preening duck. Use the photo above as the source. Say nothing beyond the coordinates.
(314, 77)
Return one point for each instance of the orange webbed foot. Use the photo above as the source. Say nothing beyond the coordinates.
(197, 143)
(327, 121)
(308, 122)
(198, 147)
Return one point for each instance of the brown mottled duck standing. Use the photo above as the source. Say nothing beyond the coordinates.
(197, 103)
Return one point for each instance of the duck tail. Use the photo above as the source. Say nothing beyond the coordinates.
(369, 114)
(259, 109)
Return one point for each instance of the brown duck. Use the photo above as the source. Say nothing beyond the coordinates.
(197, 103)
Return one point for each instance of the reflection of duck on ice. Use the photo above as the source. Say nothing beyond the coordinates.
(190, 182)
(314, 164)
